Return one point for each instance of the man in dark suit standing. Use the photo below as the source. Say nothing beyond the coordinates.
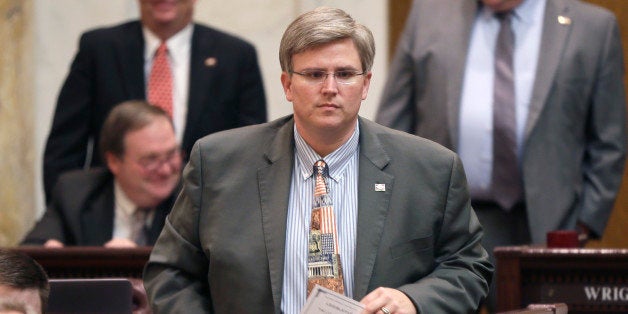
(126, 204)
(240, 239)
(215, 80)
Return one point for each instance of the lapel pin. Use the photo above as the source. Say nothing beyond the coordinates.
(563, 20)
(210, 62)
(380, 187)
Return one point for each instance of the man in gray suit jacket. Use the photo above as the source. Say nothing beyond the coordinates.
(570, 100)
(236, 240)
(572, 142)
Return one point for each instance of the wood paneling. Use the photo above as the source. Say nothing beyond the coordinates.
(527, 275)
(397, 13)
(614, 237)
(17, 165)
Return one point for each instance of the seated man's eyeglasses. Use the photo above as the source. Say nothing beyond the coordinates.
(345, 77)
(153, 162)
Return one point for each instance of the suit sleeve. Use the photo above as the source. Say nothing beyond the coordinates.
(461, 277)
(252, 100)
(51, 225)
(396, 108)
(605, 149)
(175, 276)
(66, 148)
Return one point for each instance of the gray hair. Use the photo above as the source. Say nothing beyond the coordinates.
(321, 26)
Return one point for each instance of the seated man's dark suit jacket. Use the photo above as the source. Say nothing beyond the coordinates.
(109, 68)
(222, 247)
(82, 211)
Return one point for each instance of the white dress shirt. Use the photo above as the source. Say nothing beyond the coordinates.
(179, 50)
(125, 209)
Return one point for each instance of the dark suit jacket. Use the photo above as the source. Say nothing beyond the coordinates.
(109, 68)
(575, 135)
(222, 248)
(82, 211)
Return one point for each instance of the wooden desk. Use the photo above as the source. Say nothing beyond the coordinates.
(89, 262)
(587, 280)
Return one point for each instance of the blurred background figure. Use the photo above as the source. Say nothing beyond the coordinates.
(125, 204)
(530, 94)
(24, 287)
(206, 80)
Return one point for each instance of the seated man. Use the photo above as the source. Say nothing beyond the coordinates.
(24, 284)
(126, 204)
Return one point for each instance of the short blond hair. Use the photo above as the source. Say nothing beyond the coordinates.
(321, 26)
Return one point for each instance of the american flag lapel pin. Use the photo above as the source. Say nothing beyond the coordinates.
(210, 62)
(563, 20)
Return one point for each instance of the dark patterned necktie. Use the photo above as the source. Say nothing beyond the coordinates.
(324, 267)
(506, 183)
(139, 232)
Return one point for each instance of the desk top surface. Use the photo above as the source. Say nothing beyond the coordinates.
(532, 251)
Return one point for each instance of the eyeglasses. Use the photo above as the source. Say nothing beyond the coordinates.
(345, 77)
(153, 162)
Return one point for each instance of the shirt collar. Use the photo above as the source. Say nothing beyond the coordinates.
(336, 161)
(530, 11)
(122, 201)
(526, 12)
(178, 45)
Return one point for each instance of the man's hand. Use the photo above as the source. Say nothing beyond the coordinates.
(583, 233)
(393, 300)
(53, 243)
(120, 243)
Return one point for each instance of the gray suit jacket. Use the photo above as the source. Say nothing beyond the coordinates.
(222, 248)
(575, 136)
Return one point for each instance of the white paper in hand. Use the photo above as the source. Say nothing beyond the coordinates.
(323, 300)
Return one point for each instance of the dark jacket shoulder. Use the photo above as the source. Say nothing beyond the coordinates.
(223, 39)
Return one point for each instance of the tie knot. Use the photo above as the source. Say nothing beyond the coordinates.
(162, 49)
(503, 16)
(141, 213)
(320, 167)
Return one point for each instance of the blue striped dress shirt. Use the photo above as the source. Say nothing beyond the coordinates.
(343, 187)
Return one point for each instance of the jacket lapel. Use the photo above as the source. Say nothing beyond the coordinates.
(372, 206)
(199, 82)
(98, 213)
(274, 185)
(159, 217)
(553, 41)
(129, 49)
(457, 39)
